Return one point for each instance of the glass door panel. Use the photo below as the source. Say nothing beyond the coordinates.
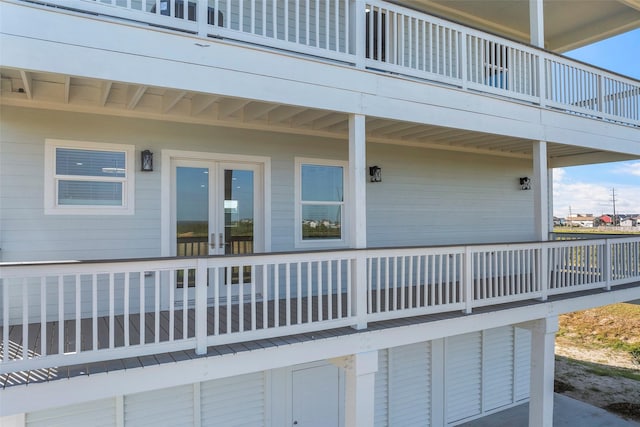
(239, 217)
(192, 216)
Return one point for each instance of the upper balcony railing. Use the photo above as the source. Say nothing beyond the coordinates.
(68, 313)
(386, 37)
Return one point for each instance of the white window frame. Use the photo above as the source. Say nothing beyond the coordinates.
(321, 243)
(51, 206)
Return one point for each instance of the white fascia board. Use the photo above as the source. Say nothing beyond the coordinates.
(182, 61)
(98, 386)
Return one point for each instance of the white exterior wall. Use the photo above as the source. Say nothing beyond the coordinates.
(427, 197)
(486, 370)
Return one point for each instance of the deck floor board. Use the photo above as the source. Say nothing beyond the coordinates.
(35, 342)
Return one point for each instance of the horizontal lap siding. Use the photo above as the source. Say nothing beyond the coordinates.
(99, 413)
(236, 401)
(166, 407)
(410, 385)
(431, 197)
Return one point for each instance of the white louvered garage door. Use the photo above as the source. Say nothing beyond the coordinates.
(522, 363)
(236, 401)
(166, 407)
(382, 390)
(463, 376)
(410, 385)
(498, 369)
(99, 413)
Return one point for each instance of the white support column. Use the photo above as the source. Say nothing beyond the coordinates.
(543, 335)
(357, 31)
(357, 224)
(536, 22)
(119, 410)
(360, 384)
(18, 420)
(357, 181)
(550, 200)
(541, 190)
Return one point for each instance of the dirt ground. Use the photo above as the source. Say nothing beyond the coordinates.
(589, 383)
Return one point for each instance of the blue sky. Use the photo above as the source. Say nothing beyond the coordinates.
(587, 189)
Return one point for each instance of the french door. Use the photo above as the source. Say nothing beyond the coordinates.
(217, 210)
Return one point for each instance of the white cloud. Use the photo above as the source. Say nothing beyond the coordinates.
(595, 197)
(630, 169)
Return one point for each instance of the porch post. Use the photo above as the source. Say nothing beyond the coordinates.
(18, 420)
(357, 32)
(541, 190)
(357, 224)
(357, 181)
(536, 22)
(360, 384)
(543, 334)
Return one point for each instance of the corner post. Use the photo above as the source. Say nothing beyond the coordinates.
(360, 384)
(358, 32)
(607, 264)
(541, 190)
(467, 277)
(357, 224)
(201, 306)
(202, 17)
(543, 334)
(542, 209)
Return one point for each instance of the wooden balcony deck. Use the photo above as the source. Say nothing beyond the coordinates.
(43, 375)
(86, 314)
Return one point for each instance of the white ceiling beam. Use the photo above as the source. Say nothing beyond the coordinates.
(171, 98)
(135, 94)
(27, 83)
(230, 106)
(329, 120)
(376, 124)
(635, 4)
(200, 102)
(255, 110)
(67, 88)
(283, 113)
(105, 91)
(308, 116)
(396, 127)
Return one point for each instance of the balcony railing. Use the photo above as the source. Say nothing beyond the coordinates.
(386, 37)
(57, 314)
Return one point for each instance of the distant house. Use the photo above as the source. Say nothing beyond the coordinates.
(603, 220)
(582, 220)
(630, 222)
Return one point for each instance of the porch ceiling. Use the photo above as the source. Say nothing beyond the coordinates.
(82, 95)
(569, 24)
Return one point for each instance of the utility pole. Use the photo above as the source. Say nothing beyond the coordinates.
(570, 217)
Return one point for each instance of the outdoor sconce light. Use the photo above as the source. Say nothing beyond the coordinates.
(375, 173)
(525, 183)
(146, 161)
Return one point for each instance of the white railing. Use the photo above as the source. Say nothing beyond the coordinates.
(426, 280)
(387, 37)
(56, 314)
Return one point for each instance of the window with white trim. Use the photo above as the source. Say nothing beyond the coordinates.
(88, 178)
(320, 195)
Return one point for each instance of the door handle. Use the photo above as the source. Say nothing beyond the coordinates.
(221, 241)
(212, 241)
